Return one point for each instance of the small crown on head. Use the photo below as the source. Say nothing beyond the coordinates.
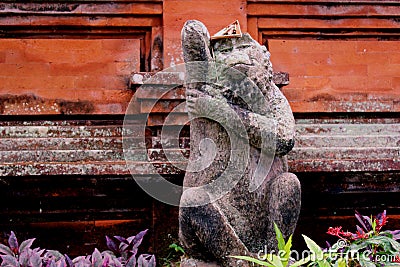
(230, 31)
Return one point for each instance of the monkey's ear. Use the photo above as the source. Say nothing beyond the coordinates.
(195, 42)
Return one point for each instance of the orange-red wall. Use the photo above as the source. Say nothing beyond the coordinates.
(341, 56)
(339, 76)
(79, 55)
(214, 14)
(67, 69)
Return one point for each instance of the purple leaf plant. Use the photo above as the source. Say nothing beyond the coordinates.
(122, 253)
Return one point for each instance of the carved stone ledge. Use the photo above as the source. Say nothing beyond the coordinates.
(170, 78)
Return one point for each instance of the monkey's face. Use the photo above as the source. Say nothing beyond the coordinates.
(243, 54)
(243, 71)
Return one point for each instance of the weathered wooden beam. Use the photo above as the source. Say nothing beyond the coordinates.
(323, 8)
(92, 8)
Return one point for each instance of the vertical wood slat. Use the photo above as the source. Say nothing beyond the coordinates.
(252, 27)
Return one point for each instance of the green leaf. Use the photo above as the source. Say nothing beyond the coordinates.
(275, 260)
(391, 264)
(373, 225)
(395, 245)
(356, 247)
(313, 247)
(388, 244)
(324, 263)
(279, 238)
(177, 248)
(287, 250)
(341, 262)
(256, 261)
(288, 246)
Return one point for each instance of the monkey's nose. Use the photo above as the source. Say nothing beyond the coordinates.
(238, 58)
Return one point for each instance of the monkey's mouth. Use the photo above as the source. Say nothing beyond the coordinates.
(242, 67)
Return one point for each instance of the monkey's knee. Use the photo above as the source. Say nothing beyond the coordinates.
(284, 186)
(285, 202)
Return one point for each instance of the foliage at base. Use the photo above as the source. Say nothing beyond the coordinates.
(122, 253)
(369, 246)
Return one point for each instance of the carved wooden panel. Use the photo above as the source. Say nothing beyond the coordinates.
(342, 56)
(75, 58)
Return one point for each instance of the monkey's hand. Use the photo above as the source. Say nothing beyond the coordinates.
(192, 99)
(196, 100)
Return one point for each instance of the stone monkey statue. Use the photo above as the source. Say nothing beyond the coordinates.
(242, 102)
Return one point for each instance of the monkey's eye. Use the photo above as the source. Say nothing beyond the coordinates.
(244, 46)
(225, 49)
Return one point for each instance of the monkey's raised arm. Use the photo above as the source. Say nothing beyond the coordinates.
(276, 123)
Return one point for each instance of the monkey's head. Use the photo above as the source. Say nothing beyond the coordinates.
(246, 55)
(244, 71)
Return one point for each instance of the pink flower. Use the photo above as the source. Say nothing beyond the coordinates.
(361, 235)
(336, 231)
(347, 234)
